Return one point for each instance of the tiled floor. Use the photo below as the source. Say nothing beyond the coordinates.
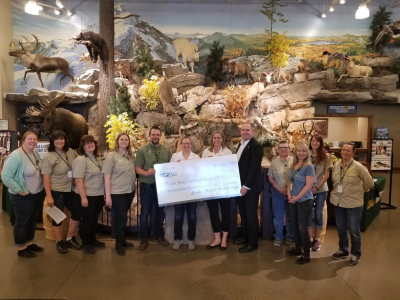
(163, 273)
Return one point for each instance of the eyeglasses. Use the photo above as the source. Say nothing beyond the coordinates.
(90, 142)
(283, 148)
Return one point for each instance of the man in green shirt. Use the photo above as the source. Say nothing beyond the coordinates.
(147, 156)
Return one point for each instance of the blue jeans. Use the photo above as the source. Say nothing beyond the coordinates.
(280, 208)
(319, 200)
(349, 219)
(191, 220)
(301, 212)
(148, 200)
(27, 210)
(121, 203)
(71, 200)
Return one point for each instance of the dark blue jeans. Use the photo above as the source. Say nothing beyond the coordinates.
(27, 210)
(71, 200)
(349, 219)
(90, 216)
(191, 220)
(121, 203)
(301, 212)
(280, 208)
(148, 199)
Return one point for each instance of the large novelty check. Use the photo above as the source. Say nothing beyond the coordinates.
(197, 179)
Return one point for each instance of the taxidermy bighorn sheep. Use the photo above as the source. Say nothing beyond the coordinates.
(95, 45)
(390, 29)
(166, 95)
(38, 63)
(356, 71)
(188, 50)
(74, 125)
(235, 69)
(258, 88)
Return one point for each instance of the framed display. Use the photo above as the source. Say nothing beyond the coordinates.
(321, 126)
(382, 132)
(3, 124)
(381, 154)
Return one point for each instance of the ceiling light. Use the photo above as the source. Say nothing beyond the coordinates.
(323, 15)
(331, 9)
(69, 13)
(39, 7)
(362, 11)
(56, 11)
(342, 2)
(31, 8)
(60, 4)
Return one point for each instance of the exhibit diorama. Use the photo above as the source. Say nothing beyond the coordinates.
(194, 67)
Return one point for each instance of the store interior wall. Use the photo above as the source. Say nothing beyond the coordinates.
(338, 130)
(7, 109)
(384, 116)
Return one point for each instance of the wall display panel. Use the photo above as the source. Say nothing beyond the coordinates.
(381, 154)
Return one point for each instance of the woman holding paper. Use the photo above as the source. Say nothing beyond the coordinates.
(300, 196)
(218, 148)
(58, 184)
(119, 178)
(185, 154)
(350, 180)
(86, 170)
(21, 174)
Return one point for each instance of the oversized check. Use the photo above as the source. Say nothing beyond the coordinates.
(197, 179)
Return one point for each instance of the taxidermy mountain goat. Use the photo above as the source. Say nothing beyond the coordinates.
(95, 44)
(188, 50)
(38, 63)
(74, 125)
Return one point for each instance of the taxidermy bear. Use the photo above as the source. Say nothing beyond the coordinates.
(95, 44)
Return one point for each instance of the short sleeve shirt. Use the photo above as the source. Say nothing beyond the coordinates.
(299, 181)
(221, 152)
(122, 170)
(57, 164)
(320, 172)
(89, 168)
(148, 156)
(279, 170)
(33, 183)
(178, 156)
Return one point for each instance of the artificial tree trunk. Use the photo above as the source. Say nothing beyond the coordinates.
(106, 80)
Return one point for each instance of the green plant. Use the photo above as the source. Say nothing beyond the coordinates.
(270, 11)
(214, 63)
(201, 124)
(266, 140)
(167, 128)
(122, 102)
(279, 49)
(149, 92)
(380, 18)
(145, 63)
(316, 65)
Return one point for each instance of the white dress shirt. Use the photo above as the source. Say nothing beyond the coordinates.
(178, 156)
(243, 145)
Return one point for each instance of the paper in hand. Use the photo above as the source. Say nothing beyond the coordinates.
(55, 213)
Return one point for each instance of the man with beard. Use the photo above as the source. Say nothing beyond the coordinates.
(147, 156)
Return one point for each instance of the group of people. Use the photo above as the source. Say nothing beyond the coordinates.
(83, 182)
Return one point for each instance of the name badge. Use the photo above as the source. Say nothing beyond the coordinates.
(69, 174)
(340, 188)
(291, 186)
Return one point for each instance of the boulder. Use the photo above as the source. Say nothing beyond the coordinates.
(81, 88)
(300, 77)
(172, 70)
(377, 61)
(89, 77)
(211, 110)
(317, 75)
(299, 105)
(273, 104)
(273, 121)
(150, 118)
(38, 91)
(299, 114)
(133, 90)
(326, 96)
(299, 92)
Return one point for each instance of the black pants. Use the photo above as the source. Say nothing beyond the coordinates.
(248, 205)
(71, 200)
(90, 216)
(191, 220)
(301, 213)
(121, 203)
(225, 205)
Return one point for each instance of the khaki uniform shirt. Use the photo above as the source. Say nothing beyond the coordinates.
(148, 156)
(89, 168)
(57, 167)
(279, 170)
(122, 170)
(355, 182)
(320, 172)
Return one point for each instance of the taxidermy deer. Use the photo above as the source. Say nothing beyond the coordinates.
(284, 133)
(356, 71)
(86, 57)
(235, 69)
(38, 63)
(308, 133)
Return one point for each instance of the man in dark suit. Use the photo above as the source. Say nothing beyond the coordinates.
(249, 154)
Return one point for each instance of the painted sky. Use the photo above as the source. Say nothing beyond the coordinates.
(204, 17)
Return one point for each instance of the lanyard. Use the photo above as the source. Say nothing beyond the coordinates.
(96, 163)
(36, 165)
(66, 161)
(342, 172)
(294, 172)
(156, 153)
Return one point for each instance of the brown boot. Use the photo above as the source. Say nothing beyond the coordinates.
(143, 245)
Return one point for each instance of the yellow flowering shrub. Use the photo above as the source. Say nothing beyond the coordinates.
(235, 101)
(149, 92)
(279, 48)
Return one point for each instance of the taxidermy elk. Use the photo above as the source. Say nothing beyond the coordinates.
(234, 69)
(74, 125)
(38, 63)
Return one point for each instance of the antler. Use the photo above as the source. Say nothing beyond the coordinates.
(51, 104)
(13, 45)
(33, 111)
(312, 128)
(37, 43)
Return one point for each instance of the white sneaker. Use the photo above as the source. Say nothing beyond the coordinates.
(277, 243)
(191, 245)
(177, 244)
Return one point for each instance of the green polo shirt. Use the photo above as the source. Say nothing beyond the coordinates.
(148, 156)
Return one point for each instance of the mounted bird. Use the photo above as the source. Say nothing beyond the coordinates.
(390, 29)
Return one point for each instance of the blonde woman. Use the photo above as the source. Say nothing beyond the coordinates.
(119, 181)
(300, 196)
